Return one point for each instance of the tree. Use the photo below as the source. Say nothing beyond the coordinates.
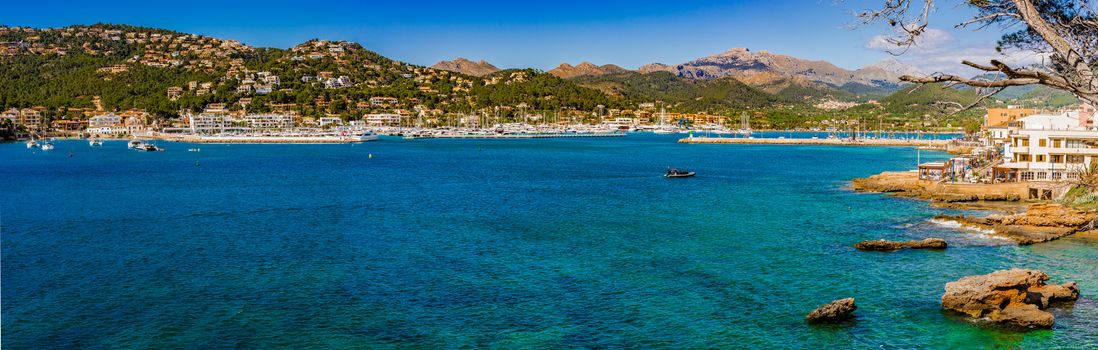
(1065, 30)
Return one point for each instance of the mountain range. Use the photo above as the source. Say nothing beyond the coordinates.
(767, 71)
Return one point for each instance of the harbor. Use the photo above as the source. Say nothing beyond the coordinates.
(526, 136)
(928, 143)
(279, 139)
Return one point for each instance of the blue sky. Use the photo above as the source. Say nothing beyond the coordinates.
(532, 34)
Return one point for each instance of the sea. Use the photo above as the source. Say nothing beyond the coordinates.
(511, 244)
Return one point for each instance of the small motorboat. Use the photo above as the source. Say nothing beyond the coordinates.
(148, 147)
(32, 144)
(672, 172)
(95, 142)
(134, 144)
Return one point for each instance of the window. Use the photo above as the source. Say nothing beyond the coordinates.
(1056, 158)
(1042, 175)
(1027, 176)
(1073, 176)
(1040, 157)
(1022, 157)
(1056, 143)
(1075, 144)
(1025, 142)
(1056, 175)
(1042, 142)
(1075, 159)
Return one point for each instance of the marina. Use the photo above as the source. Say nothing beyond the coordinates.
(939, 143)
(526, 136)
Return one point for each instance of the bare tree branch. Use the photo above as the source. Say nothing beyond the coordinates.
(969, 82)
(983, 97)
(1066, 29)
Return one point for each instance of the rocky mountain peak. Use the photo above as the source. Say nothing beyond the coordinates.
(467, 66)
(567, 71)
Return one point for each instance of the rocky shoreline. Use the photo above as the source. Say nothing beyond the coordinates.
(1041, 222)
(907, 184)
(1038, 222)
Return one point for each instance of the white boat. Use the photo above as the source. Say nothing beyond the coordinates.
(32, 144)
(48, 146)
(95, 142)
(134, 144)
(368, 136)
(148, 147)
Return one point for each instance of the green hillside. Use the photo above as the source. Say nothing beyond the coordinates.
(686, 94)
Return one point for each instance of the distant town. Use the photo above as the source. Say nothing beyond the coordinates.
(124, 81)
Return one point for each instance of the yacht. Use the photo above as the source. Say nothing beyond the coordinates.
(32, 144)
(134, 144)
(95, 142)
(47, 146)
(368, 136)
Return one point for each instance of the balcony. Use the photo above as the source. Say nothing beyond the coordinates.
(1074, 151)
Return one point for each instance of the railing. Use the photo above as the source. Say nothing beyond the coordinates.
(1073, 151)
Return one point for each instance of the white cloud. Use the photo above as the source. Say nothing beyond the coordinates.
(930, 39)
(936, 51)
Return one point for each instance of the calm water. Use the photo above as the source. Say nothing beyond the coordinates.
(498, 243)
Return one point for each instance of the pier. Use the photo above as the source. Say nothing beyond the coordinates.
(931, 144)
(265, 139)
(523, 136)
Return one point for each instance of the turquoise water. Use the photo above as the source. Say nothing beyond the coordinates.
(574, 243)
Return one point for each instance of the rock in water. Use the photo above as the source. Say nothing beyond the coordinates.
(1016, 297)
(834, 311)
(883, 245)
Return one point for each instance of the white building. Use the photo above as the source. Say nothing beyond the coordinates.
(325, 121)
(269, 121)
(382, 119)
(107, 130)
(104, 120)
(1048, 148)
(208, 123)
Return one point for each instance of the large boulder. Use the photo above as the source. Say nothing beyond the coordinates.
(1015, 297)
(883, 245)
(834, 311)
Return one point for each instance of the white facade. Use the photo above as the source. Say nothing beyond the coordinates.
(100, 121)
(269, 121)
(382, 119)
(1049, 148)
(1049, 122)
(324, 121)
(208, 123)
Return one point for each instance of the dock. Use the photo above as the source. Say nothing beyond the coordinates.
(930, 144)
(266, 139)
(523, 136)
